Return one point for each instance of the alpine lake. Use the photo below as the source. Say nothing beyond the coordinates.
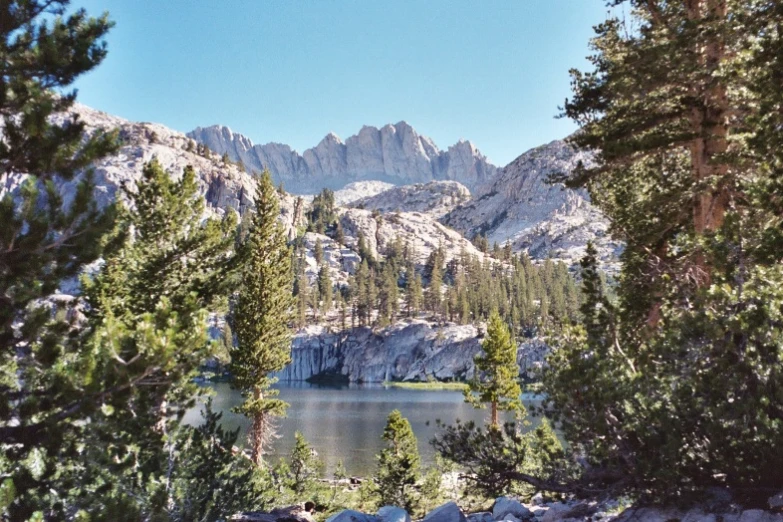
(345, 422)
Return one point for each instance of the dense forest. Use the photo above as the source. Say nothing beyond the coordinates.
(463, 290)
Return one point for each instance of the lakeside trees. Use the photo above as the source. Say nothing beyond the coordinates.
(261, 316)
(497, 373)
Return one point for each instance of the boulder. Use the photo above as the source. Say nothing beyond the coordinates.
(556, 511)
(698, 515)
(449, 512)
(582, 510)
(759, 515)
(510, 506)
(349, 515)
(393, 514)
(481, 516)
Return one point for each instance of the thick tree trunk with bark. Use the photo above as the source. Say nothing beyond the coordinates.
(257, 433)
(709, 121)
(709, 124)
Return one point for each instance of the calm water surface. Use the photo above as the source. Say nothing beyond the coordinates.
(346, 423)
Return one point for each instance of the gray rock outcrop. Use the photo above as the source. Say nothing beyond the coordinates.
(546, 220)
(436, 198)
(481, 516)
(510, 506)
(449, 512)
(393, 514)
(224, 186)
(414, 350)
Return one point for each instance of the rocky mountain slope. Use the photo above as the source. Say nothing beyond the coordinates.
(436, 198)
(394, 153)
(358, 190)
(224, 186)
(546, 220)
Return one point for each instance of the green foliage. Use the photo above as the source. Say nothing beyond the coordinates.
(318, 251)
(322, 217)
(120, 380)
(413, 291)
(497, 372)
(365, 292)
(261, 316)
(398, 464)
(206, 479)
(501, 460)
(489, 455)
(43, 240)
(305, 467)
(388, 306)
(673, 389)
(325, 289)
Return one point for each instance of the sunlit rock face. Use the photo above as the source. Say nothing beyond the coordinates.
(224, 186)
(520, 206)
(435, 199)
(413, 350)
(395, 154)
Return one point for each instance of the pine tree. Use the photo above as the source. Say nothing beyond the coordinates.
(339, 234)
(413, 291)
(364, 250)
(388, 296)
(434, 289)
(261, 317)
(318, 251)
(305, 466)
(302, 295)
(398, 464)
(42, 242)
(321, 217)
(130, 365)
(686, 128)
(325, 289)
(497, 372)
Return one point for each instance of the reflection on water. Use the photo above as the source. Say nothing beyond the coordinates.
(346, 423)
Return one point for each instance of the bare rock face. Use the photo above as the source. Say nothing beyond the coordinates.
(224, 186)
(394, 153)
(546, 220)
(421, 232)
(435, 199)
(413, 350)
(358, 190)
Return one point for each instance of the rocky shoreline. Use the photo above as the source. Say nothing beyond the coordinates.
(509, 509)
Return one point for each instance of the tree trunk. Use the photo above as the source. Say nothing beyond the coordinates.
(495, 417)
(709, 124)
(257, 432)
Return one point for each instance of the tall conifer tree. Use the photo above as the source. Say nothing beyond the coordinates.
(685, 128)
(261, 317)
(497, 372)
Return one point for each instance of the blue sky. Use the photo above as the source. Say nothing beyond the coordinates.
(493, 72)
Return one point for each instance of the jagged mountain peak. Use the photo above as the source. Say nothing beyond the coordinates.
(394, 153)
(331, 138)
